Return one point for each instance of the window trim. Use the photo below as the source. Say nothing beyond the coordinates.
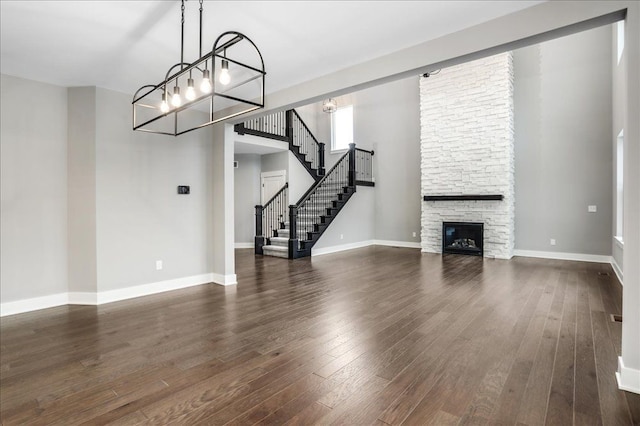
(335, 150)
(619, 186)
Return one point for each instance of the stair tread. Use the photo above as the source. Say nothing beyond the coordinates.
(275, 248)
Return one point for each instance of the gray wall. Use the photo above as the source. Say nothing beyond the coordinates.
(354, 224)
(562, 95)
(33, 194)
(299, 179)
(140, 216)
(89, 205)
(81, 177)
(275, 162)
(388, 121)
(247, 196)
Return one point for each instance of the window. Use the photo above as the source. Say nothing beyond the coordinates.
(342, 128)
(619, 185)
(620, 39)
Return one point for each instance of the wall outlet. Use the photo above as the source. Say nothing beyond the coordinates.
(592, 209)
(414, 234)
(341, 236)
(552, 242)
(158, 265)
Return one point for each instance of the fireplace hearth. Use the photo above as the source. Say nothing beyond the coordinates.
(462, 238)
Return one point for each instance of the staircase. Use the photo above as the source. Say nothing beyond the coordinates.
(291, 233)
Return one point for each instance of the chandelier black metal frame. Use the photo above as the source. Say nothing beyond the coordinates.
(219, 75)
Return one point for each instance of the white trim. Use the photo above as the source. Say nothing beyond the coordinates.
(619, 242)
(628, 378)
(617, 269)
(341, 247)
(274, 173)
(405, 244)
(220, 279)
(89, 298)
(596, 258)
(82, 298)
(244, 245)
(152, 288)
(28, 305)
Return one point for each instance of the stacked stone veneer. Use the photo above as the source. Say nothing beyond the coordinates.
(467, 147)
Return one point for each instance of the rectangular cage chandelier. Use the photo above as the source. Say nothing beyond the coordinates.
(224, 83)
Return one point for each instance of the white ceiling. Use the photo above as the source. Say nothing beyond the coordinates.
(122, 45)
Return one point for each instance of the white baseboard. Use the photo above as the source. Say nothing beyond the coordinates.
(341, 247)
(34, 304)
(244, 245)
(89, 298)
(220, 279)
(617, 269)
(82, 298)
(405, 244)
(628, 378)
(152, 288)
(596, 258)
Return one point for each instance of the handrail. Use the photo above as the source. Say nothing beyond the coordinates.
(310, 191)
(305, 125)
(372, 152)
(270, 216)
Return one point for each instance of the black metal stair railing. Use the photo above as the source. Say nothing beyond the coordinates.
(287, 126)
(364, 167)
(270, 217)
(272, 126)
(306, 144)
(306, 216)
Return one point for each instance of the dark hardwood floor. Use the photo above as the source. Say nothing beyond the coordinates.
(370, 336)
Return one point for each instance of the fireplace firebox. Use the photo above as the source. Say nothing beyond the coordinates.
(462, 238)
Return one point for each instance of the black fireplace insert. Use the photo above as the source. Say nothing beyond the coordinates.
(462, 238)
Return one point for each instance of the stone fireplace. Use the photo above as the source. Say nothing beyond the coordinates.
(467, 153)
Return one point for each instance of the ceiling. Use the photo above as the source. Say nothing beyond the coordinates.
(122, 45)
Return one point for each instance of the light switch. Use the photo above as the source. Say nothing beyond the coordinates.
(592, 209)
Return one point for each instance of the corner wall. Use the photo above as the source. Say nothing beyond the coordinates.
(247, 196)
(562, 92)
(33, 193)
(140, 216)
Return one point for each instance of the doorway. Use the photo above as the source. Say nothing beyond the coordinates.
(271, 183)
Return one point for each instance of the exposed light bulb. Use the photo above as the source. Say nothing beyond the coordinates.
(164, 106)
(190, 94)
(225, 78)
(176, 101)
(205, 86)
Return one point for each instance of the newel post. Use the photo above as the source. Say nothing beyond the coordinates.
(293, 230)
(321, 158)
(352, 164)
(259, 238)
(289, 125)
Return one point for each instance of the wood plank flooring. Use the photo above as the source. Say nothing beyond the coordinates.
(372, 336)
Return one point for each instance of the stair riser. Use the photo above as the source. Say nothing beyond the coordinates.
(273, 253)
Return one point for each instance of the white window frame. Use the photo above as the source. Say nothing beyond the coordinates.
(619, 186)
(334, 136)
(620, 39)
